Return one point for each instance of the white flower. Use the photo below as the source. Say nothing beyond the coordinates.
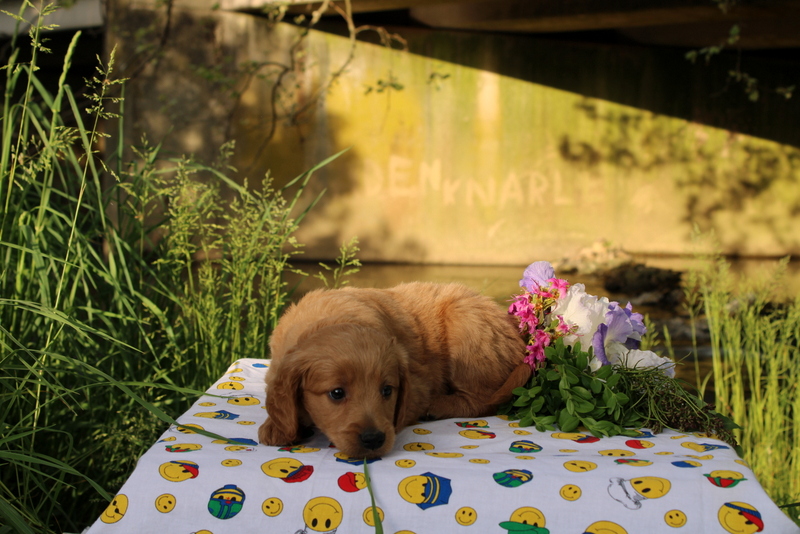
(646, 358)
(580, 309)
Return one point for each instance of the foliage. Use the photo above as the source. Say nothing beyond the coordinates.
(614, 400)
(346, 264)
(750, 85)
(109, 323)
(755, 341)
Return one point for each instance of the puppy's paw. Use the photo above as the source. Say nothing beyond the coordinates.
(270, 433)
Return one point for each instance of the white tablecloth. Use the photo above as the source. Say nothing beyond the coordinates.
(480, 476)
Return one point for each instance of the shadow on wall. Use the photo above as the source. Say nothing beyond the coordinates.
(720, 171)
(331, 217)
(657, 79)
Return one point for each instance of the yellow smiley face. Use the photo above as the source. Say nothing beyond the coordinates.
(165, 503)
(178, 471)
(740, 518)
(468, 447)
(231, 462)
(704, 457)
(513, 425)
(183, 447)
(567, 435)
(412, 489)
(445, 454)
(230, 385)
(579, 466)
(281, 467)
(733, 475)
(322, 514)
(616, 452)
(405, 463)
(476, 433)
(421, 431)
(189, 429)
(243, 401)
(466, 516)
(246, 423)
(522, 433)
(207, 404)
(234, 370)
(528, 515)
(664, 453)
(523, 457)
(369, 516)
(236, 378)
(418, 446)
(239, 448)
(570, 492)
(634, 462)
(568, 450)
(272, 507)
(605, 527)
(651, 487)
(115, 510)
(479, 461)
(675, 518)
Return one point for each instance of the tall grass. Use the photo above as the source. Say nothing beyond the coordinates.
(755, 341)
(108, 321)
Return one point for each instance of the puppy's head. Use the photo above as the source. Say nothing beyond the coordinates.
(348, 380)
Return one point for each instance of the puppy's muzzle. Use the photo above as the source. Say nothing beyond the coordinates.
(372, 439)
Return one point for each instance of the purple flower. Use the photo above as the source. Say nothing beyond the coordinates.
(622, 330)
(537, 274)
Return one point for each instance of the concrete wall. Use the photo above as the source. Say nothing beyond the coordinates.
(466, 164)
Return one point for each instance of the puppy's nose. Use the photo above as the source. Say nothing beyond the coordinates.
(372, 439)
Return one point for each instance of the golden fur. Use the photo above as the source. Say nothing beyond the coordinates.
(393, 356)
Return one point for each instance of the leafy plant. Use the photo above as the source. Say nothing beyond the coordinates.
(110, 322)
(346, 264)
(614, 400)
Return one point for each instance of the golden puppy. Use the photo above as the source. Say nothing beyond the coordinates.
(361, 364)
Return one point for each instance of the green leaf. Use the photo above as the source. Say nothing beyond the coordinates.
(604, 372)
(572, 376)
(622, 398)
(553, 375)
(534, 391)
(596, 386)
(582, 392)
(567, 422)
(522, 401)
(520, 391)
(583, 406)
(537, 404)
(613, 379)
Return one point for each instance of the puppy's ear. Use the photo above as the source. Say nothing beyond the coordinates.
(284, 401)
(402, 408)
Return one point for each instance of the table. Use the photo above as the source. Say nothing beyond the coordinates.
(485, 475)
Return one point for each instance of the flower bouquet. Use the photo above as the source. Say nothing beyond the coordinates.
(589, 371)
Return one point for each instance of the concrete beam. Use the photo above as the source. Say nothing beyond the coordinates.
(82, 14)
(579, 15)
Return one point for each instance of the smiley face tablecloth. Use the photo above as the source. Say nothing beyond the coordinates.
(473, 476)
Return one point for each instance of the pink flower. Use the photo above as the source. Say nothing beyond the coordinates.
(536, 356)
(559, 285)
(522, 308)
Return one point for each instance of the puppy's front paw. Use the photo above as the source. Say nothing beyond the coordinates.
(270, 433)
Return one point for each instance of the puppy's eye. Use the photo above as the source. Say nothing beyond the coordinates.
(337, 394)
(387, 391)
